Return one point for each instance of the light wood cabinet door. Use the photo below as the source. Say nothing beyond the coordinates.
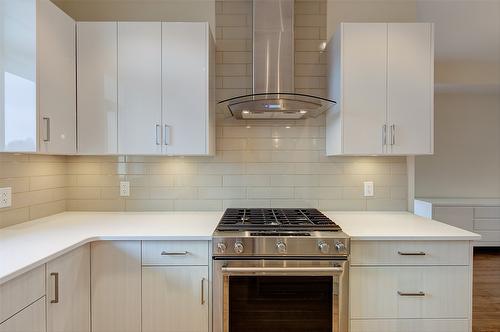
(139, 88)
(30, 319)
(410, 88)
(186, 102)
(56, 59)
(97, 88)
(68, 292)
(116, 286)
(409, 292)
(175, 299)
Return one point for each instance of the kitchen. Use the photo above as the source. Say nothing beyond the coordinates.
(113, 213)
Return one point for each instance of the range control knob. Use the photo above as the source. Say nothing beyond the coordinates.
(281, 246)
(238, 247)
(324, 247)
(221, 247)
(340, 246)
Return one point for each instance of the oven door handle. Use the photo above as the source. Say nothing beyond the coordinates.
(226, 269)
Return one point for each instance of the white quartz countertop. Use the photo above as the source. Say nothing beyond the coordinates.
(461, 201)
(396, 226)
(30, 244)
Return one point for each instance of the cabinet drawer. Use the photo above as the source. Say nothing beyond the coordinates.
(409, 292)
(30, 319)
(410, 325)
(410, 253)
(487, 225)
(21, 291)
(175, 253)
(487, 212)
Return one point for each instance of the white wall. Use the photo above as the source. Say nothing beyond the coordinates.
(467, 101)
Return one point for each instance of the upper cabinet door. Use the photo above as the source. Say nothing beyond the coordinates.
(18, 112)
(97, 87)
(139, 88)
(410, 87)
(186, 48)
(364, 75)
(56, 79)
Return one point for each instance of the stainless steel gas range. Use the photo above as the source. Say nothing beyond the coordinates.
(279, 270)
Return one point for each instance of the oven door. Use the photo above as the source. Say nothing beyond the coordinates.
(280, 295)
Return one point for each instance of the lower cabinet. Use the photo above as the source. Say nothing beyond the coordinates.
(410, 325)
(175, 299)
(68, 292)
(410, 286)
(116, 286)
(30, 319)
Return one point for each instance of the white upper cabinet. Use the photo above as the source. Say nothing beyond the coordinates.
(56, 79)
(187, 104)
(97, 87)
(37, 78)
(139, 88)
(381, 76)
(410, 87)
(18, 123)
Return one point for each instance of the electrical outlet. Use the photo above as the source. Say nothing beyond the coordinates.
(124, 188)
(5, 197)
(368, 188)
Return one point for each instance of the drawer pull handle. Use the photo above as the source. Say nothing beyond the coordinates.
(416, 253)
(175, 253)
(411, 294)
(56, 287)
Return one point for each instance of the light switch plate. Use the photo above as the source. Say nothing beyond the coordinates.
(369, 191)
(124, 188)
(5, 197)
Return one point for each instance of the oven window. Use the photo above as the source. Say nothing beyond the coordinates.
(280, 303)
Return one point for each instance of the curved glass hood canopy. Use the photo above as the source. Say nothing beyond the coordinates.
(273, 70)
(266, 106)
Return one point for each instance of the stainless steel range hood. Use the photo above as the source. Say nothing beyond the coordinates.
(273, 95)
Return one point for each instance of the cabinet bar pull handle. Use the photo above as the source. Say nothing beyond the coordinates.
(416, 253)
(175, 253)
(393, 134)
(384, 135)
(46, 137)
(56, 287)
(411, 294)
(158, 134)
(167, 135)
(202, 291)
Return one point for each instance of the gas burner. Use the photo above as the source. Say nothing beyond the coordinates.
(276, 219)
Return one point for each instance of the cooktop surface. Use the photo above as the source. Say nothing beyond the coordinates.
(276, 219)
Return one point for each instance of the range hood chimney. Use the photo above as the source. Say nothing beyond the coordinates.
(273, 95)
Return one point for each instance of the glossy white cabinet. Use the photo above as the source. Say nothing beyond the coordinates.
(146, 88)
(68, 291)
(97, 87)
(37, 78)
(188, 110)
(175, 299)
(139, 88)
(381, 76)
(56, 79)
